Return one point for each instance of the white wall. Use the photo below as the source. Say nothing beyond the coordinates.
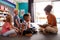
(41, 0)
(21, 0)
(27, 0)
(44, 0)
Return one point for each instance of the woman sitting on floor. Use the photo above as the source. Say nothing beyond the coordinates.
(51, 27)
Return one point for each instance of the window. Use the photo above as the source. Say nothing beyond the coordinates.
(56, 10)
(39, 14)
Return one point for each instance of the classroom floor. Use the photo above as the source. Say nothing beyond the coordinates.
(38, 36)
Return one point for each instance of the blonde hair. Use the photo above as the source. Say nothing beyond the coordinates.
(15, 10)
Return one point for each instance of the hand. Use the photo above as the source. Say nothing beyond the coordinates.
(17, 29)
(41, 25)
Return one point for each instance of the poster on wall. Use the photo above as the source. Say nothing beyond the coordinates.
(22, 12)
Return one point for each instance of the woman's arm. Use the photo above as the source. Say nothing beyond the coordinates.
(44, 25)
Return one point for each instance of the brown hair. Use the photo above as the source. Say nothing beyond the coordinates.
(25, 15)
(9, 18)
(48, 8)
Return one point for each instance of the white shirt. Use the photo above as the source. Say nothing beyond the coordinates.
(26, 25)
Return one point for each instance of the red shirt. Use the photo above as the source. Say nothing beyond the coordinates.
(6, 27)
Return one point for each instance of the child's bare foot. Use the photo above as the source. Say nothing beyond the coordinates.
(28, 35)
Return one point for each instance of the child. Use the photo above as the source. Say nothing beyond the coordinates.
(16, 19)
(26, 25)
(8, 29)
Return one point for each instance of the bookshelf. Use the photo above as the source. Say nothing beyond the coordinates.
(3, 14)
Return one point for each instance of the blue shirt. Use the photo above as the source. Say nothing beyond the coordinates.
(18, 20)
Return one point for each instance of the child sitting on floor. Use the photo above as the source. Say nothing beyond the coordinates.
(26, 27)
(8, 29)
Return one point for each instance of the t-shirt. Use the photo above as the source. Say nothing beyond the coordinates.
(18, 19)
(26, 25)
(52, 20)
(6, 27)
